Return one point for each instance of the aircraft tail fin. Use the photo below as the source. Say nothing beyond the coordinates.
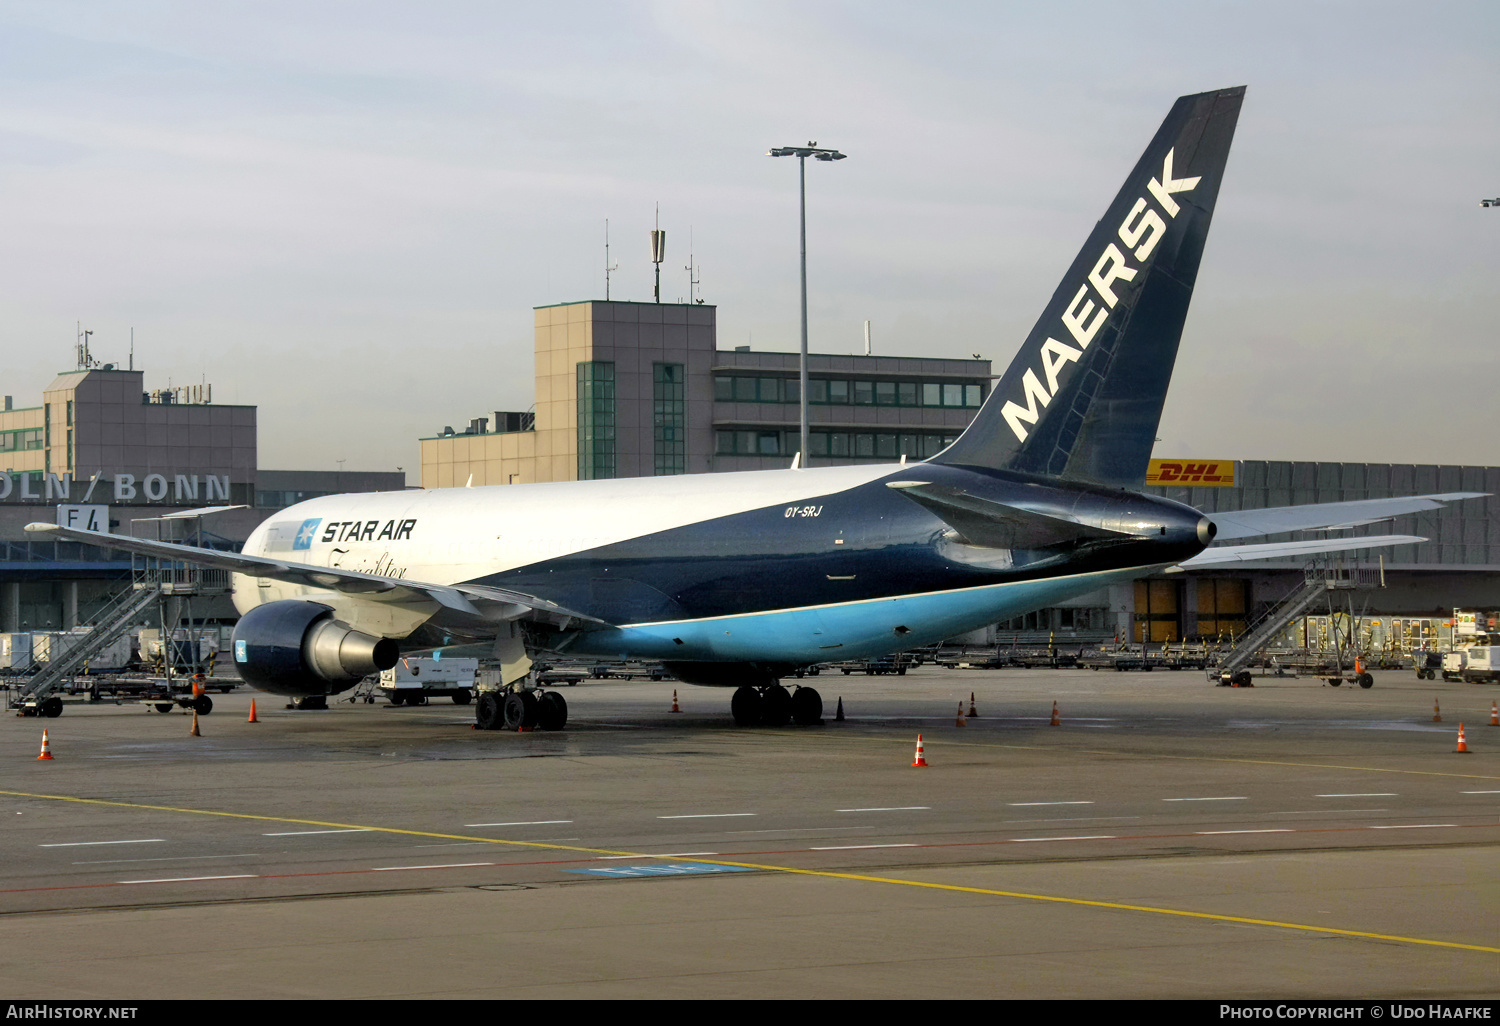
(1083, 397)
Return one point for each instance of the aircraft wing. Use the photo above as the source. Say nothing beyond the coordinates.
(1252, 523)
(500, 604)
(1227, 555)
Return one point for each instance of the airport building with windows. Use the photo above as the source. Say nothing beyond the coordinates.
(112, 455)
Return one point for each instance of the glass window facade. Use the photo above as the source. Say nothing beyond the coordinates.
(596, 420)
(869, 445)
(669, 418)
(746, 388)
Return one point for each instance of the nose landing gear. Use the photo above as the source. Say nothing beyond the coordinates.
(773, 706)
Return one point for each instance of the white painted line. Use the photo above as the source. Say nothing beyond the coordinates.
(300, 833)
(1413, 826)
(889, 808)
(850, 847)
(521, 822)
(1368, 794)
(192, 879)
(1276, 830)
(710, 815)
(1232, 798)
(89, 844)
(450, 865)
(1090, 837)
(175, 858)
(680, 854)
(1022, 804)
(1479, 792)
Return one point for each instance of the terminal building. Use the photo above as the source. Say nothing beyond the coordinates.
(112, 455)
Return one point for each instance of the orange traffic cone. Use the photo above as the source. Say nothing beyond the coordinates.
(960, 721)
(1437, 716)
(972, 711)
(839, 716)
(674, 701)
(195, 732)
(46, 751)
(1463, 746)
(253, 718)
(921, 759)
(1056, 718)
(1495, 714)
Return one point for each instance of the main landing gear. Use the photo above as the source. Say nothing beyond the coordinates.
(520, 710)
(775, 706)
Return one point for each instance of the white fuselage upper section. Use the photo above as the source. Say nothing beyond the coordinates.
(452, 535)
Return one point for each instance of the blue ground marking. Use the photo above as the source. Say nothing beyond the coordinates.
(660, 869)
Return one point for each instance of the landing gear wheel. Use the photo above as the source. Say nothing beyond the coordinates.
(398, 699)
(416, 698)
(203, 705)
(776, 706)
(163, 707)
(463, 697)
(807, 707)
(489, 714)
(52, 707)
(746, 706)
(1364, 680)
(552, 711)
(313, 702)
(520, 710)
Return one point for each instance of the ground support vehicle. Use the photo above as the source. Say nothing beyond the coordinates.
(163, 694)
(415, 680)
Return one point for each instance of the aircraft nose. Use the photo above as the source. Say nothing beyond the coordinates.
(1207, 530)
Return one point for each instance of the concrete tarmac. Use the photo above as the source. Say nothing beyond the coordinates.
(1169, 839)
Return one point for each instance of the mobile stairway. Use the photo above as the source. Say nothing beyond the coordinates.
(39, 697)
(1321, 580)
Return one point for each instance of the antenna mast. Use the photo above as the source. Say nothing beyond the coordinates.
(658, 250)
(607, 266)
(693, 279)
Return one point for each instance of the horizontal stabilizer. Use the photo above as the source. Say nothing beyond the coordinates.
(1253, 523)
(1228, 555)
(995, 525)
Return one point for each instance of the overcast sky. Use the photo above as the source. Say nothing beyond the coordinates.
(343, 212)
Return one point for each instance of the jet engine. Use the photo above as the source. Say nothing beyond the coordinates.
(298, 649)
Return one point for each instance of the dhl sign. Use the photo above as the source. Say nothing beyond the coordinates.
(1191, 473)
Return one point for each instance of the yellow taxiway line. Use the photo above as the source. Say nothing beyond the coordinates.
(829, 874)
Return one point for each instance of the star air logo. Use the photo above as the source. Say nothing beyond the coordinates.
(306, 533)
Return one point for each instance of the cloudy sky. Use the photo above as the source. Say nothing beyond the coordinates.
(343, 212)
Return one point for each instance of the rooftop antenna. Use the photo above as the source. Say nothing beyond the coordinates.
(867, 338)
(693, 280)
(607, 266)
(81, 349)
(132, 347)
(658, 250)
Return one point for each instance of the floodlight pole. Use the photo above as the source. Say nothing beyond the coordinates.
(802, 153)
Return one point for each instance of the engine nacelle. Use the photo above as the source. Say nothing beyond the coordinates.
(297, 649)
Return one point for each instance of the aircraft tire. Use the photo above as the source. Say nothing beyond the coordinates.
(52, 707)
(746, 706)
(807, 707)
(488, 712)
(397, 698)
(776, 706)
(203, 705)
(463, 697)
(552, 711)
(520, 710)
